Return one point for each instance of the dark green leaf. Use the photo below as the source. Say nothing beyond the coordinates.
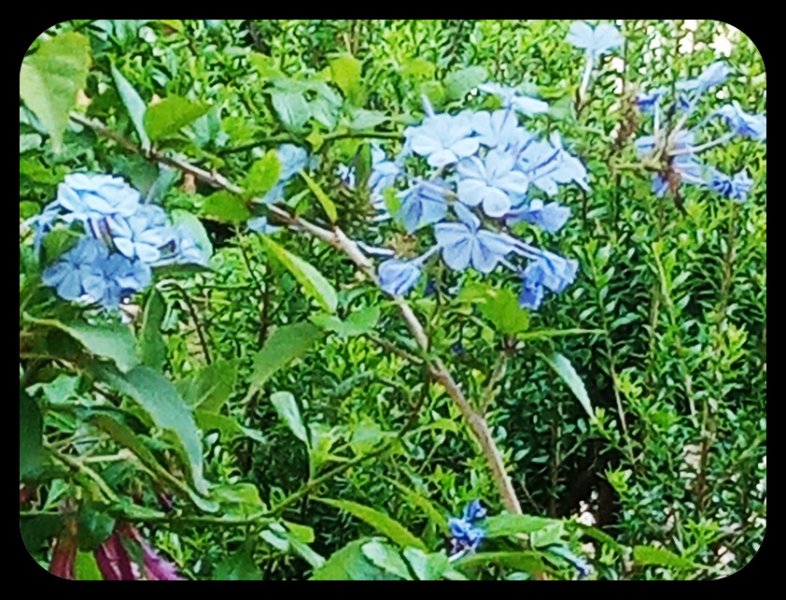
(285, 345)
(650, 556)
(31, 431)
(210, 387)
(152, 347)
(134, 104)
(565, 369)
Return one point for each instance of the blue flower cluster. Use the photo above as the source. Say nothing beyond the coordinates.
(677, 145)
(124, 239)
(595, 41)
(466, 535)
(485, 172)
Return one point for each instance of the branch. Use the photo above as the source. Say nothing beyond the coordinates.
(339, 240)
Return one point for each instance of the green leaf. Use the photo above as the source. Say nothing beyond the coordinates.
(39, 529)
(50, 79)
(263, 174)
(288, 410)
(152, 347)
(346, 70)
(434, 91)
(378, 520)
(210, 387)
(126, 437)
(226, 426)
(285, 345)
(529, 562)
(291, 107)
(361, 119)
(650, 556)
(226, 207)
(264, 65)
(386, 558)
(31, 431)
(314, 284)
(349, 563)
(507, 524)
(327, 204)
(244, 497)
(159, 398)
(86, 567)
(427, 567)
(93, 527)
(170, 115)
(192, 225)
(134, 104)
(419, 501)
(418, 68)
(107, 340)
(501, 308)
(565, 369)
(458, 84)
(238, 565)
(357, 323)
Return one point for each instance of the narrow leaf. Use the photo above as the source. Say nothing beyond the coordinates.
(565, 369)
(288, 410)
(327, 204)
(134, 104)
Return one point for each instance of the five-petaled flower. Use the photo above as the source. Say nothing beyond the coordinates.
(493, 183)
(443, 139)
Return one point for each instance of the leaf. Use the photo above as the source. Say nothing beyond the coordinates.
(93, 527)
(357, 323)
(427, 567)
(210, 387)
(226, 207)
(507, 524)
(126, 437)
(170, 115)
(650, 556)
(386, 558)
(244, 495)
(31, 431)
(107, 340)
(378, 520)
(314, 284)
(565, 369)
(416, 499)
(264, 65)
(360, 118)
(50, 79)
(291, 107)
(345, 71)
(349, 563)
(529, 562)
(39, 529)
(263, 174)
(285, 345)
(288, 410)
(238, 565)
(458, 84)
(327, 204)
(501, 308)
(134, 104)
(192, 225)
(159, 398)
(86, 567)
(226, 426)
(152, 347)
(418, 68)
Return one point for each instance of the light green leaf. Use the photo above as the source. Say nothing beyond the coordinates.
(650, 556)
(507, 524)
(349, 563)
(86, 567)
(226, 207)
(152, 347)
(159, 398)
(427, 567)
(263, 174)
(228, 427)
(50, 79)
(288, 410)
(238, 565)
(285, 345)
(458, 84)
(378, 520)
(314, 284)
(529, 562)
(359, 322)
(264, 65)
(386, 558)
(565, 369)
(291, 107)
(134, 104)
(346, 72)
(210, 387)
(170, 115)
(361, 118)
(327, 204)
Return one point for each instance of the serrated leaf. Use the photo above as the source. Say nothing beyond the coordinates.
(289, 412)
(650, 556)
(170, 115)
(379, 521)
(327, 204)
(50, 79)
(314, 284)
(565, 369)
(134, 104)
(285, 345)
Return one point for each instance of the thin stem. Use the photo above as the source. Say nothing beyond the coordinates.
(192, 312)
(706, 146)
(288, 139)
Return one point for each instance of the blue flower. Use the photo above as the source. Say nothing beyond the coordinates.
(595, 41)
(550, 217)
(549, 271)
(443, 139)
(383, 172)
(512, 99)
(474, 511)
(490, 182)
(186, 248)
(547, 165)
(647, 101)
(261, 225)
(736, 188)
(711, 76)
(397, 277)
(76, 270)
(86, 196)
(466, 535)
(292, 159)
(499, 128)
(423, 204)
(743, 124)
(463, 243)
(142, 234)
(121, 277)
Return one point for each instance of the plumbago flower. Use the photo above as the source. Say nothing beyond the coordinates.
(595, 41)
(676, 149)
(124, 239)
(466, 534)
(483, 173)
